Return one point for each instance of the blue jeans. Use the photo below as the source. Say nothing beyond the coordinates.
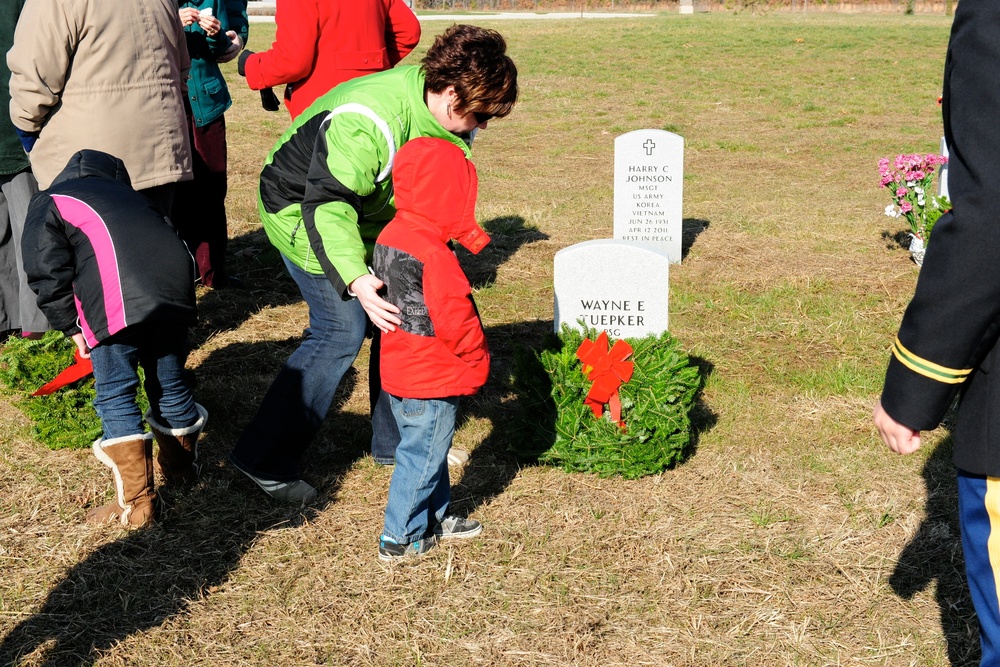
(300, 397)
(161, 350)
(420, 489)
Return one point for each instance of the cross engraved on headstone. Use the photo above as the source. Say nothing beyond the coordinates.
(649, 146)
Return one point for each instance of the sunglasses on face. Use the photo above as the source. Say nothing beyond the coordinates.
(482, 117)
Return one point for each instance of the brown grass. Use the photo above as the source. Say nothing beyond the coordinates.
(789, 538)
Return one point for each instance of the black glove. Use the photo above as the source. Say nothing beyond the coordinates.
(241, 64)
(269, 100)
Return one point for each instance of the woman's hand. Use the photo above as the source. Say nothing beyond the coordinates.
(189, 16)
(209, 23)
(380, 312)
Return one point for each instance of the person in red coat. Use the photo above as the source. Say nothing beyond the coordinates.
(438, 353)
(320, 44)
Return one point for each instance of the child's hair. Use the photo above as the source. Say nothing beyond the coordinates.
(475, 62)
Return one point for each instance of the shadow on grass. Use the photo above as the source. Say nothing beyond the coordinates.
(492, 464)
(148, 576)
(507, 235)
(898, 239)
(703, 418)
(266, 284)
(140, 581)
(691, 228)
(935, 554)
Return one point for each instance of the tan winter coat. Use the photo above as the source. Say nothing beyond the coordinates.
(106, 76)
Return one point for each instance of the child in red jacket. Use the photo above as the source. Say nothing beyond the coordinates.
(439, 352)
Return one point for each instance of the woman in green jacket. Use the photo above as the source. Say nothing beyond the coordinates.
(325, 194)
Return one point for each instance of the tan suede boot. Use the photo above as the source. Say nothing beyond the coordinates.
(131, 460)
(177, 458)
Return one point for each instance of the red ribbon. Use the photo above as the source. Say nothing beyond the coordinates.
(608, 370)
(80, 369)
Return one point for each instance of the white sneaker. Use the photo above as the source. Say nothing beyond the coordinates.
(457, 457)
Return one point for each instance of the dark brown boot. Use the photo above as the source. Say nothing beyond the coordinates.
(177, 458)
(131, 460)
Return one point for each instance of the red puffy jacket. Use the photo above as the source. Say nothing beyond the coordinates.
(322, 43)
(440, 349)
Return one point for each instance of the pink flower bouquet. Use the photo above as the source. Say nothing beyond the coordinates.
(909, 178)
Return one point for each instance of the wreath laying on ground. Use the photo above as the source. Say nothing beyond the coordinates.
(66, 417)
(565, 422)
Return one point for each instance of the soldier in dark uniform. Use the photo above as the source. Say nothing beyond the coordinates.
(947, 341)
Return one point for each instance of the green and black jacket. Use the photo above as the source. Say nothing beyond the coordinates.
(326, 187)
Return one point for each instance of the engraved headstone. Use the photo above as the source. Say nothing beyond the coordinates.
(649, 176)
(616, 286)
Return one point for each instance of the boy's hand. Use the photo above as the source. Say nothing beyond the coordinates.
(380, 312)
(897, 437)
(81, 345)
(235, 46)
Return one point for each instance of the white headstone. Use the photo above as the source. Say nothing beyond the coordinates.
(943, 174)
(616, 286)
(649, 177)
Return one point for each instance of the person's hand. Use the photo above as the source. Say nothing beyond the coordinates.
(189, 16)
(380, 312)
(81, 345)
(897, 437)
(209, 23)
(235, 46)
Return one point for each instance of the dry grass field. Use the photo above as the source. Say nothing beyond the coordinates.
(790, 537)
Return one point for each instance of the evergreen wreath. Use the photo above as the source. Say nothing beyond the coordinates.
(66, 418)
(559, 429)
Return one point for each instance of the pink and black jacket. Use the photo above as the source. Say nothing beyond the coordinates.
(102, 257)
(440, 349)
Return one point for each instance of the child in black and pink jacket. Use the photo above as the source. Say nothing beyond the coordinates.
(439, 352)
(110, 272)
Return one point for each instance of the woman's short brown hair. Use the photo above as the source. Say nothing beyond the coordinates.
(474, 60)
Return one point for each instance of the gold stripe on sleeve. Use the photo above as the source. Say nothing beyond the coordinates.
(928, 368)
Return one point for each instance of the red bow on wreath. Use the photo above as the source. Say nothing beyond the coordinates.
(608, 370)
(80, 369)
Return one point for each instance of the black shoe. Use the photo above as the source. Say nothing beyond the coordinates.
(389, 550)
